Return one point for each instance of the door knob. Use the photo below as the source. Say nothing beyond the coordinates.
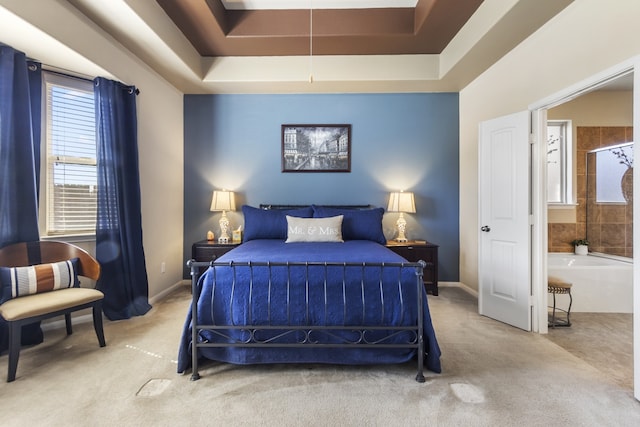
(485, 228)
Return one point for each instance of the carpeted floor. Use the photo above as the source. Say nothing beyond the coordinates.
(493, 375)
(603, 340)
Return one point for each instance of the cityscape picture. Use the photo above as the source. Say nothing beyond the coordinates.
(316, 148)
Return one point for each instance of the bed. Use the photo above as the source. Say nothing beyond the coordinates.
(310, 284)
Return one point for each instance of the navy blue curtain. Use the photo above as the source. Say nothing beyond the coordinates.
(18, 136)
(20, 95)
(119, 225)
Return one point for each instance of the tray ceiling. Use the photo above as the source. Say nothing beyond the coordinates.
(282, 46)
(316, 4)
(370, 27)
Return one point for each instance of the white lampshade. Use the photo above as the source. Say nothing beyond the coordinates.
(401, 202)
(223, 201)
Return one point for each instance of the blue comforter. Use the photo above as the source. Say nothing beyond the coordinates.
(263, 302)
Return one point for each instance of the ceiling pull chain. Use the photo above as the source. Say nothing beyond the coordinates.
(311, 43)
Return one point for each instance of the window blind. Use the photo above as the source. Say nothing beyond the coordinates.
(71, 156)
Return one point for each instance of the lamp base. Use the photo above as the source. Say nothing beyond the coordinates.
(224, 227)
(402, 225)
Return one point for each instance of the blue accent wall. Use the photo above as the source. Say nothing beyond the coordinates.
(398, 142)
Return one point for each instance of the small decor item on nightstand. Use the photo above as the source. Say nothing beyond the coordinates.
(237, 235)
(223, 201)
(210, 236)
(581, 246)
(401, 202)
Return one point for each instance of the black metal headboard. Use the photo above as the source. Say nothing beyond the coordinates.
(281, 207)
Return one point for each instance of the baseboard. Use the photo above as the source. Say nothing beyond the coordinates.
(460, 285)
(167, 291)
(82, 318)
(86, 316)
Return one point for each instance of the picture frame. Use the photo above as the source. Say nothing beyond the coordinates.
(316, 148)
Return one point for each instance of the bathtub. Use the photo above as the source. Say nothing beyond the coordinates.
(600, 285)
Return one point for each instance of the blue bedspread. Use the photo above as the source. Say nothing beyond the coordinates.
(264, 302)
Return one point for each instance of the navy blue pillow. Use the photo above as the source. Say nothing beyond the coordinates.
(357, 224)
(269, 223)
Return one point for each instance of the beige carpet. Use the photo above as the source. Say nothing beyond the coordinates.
(494, 375)
(603, 340)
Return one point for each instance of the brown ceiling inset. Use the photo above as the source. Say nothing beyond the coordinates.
(215, 31)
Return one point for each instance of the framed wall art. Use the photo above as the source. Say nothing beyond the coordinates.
(316, 148)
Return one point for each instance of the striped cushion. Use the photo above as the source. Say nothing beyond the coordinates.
(20, 281)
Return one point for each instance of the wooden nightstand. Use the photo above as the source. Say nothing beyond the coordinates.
(206, 250)
(418, 250)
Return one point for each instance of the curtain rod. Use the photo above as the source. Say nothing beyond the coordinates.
(65, 72)
(73, 74)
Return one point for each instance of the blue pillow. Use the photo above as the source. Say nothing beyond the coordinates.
(357, 224)
(269, 223)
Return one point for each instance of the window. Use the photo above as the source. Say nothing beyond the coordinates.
(614, 165)
(69, 178)
(559, 162)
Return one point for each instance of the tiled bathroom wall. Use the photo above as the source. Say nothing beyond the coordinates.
(610, 227)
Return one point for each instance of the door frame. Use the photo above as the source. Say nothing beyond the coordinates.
(539, 198)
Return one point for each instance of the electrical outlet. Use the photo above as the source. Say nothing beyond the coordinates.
(162, 267)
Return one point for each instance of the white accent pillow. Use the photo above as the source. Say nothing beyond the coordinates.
(314, 229)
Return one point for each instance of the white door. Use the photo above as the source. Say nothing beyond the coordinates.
(504, 236)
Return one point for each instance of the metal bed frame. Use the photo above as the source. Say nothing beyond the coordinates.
(309, 335)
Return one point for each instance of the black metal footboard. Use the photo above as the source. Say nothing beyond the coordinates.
(308, 332)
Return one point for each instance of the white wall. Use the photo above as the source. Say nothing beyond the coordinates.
(54, 33)
(589, 36)
(602, 108)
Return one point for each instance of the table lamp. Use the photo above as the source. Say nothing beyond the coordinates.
(223, 201)
(401, 202)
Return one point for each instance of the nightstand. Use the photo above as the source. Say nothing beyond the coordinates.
(416, 250)
(206, 250)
